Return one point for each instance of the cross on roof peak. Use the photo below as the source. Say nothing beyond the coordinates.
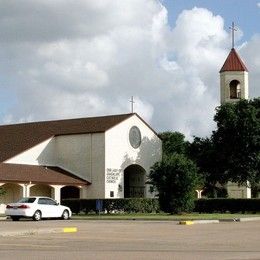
(233, 29)
(132, 104)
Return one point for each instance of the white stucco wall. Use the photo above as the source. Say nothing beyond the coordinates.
(120, 154)
(73, 154)
(84, 155)
(97, 187)
(41, 154)
(238, 191)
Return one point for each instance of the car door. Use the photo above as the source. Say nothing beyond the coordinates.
(43, 207)
(53, 208)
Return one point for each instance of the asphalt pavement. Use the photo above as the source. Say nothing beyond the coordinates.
(26, 227)
(130, 239)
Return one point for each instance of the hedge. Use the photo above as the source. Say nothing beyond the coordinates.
(144, 205)
(131, 205)
(227, 205)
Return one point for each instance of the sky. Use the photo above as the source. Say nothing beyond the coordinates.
(68, 59)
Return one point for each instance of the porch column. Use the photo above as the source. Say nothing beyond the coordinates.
(55, 193)
(26, 189)
(248, 190)
(2, 205)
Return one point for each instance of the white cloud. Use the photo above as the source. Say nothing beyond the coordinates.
(250, 54)
(258, 4)
(60, 60)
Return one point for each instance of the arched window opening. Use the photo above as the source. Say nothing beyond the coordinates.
(235, 89)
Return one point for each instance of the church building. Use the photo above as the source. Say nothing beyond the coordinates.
(233, 87)
(95, 158)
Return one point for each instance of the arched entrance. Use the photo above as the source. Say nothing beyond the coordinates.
(41, 190)
(69, 192)
(134, 181)
(13, 192)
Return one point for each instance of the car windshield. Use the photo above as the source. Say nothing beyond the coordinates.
(27, 200)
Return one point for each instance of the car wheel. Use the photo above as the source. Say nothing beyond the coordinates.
(15, 218)
(65, 215)
(37, 215)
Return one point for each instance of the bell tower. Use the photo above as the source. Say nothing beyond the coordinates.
(234, 87)
(233, 77)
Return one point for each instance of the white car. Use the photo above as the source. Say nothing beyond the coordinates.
(37, 208)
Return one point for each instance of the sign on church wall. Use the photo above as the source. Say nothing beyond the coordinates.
(112, 175)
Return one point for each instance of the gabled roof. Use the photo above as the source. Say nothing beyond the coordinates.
(17, 138)
(233, 62)
(38, 174)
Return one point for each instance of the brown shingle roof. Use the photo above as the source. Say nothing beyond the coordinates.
(233, 62)
(17, 138)
(37, 174)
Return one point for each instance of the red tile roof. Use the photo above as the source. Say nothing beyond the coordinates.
(17, 138)
(38, 174)
(233, 62)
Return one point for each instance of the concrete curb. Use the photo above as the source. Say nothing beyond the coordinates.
(230, 220)
(216, 221)
(39, 231)
(249, 219)
(210, 221)
(189, 222)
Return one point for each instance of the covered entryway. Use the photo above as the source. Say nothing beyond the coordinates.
(12, 193)
(41, 190)
(70, 192)
(134, 181)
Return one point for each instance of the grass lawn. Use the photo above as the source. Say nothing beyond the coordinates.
(161, 216)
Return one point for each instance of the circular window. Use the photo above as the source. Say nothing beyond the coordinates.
(135, 137)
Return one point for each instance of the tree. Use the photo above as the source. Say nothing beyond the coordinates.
(176, 179)
(202, 151)
(237, 141)
(173, 142)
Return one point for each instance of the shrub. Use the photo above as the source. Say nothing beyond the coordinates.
(129, 205)
(227, 205)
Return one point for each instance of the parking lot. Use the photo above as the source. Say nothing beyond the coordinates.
(130, 240)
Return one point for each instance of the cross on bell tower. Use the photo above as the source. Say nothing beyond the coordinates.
(233, 76)
(233, 29)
